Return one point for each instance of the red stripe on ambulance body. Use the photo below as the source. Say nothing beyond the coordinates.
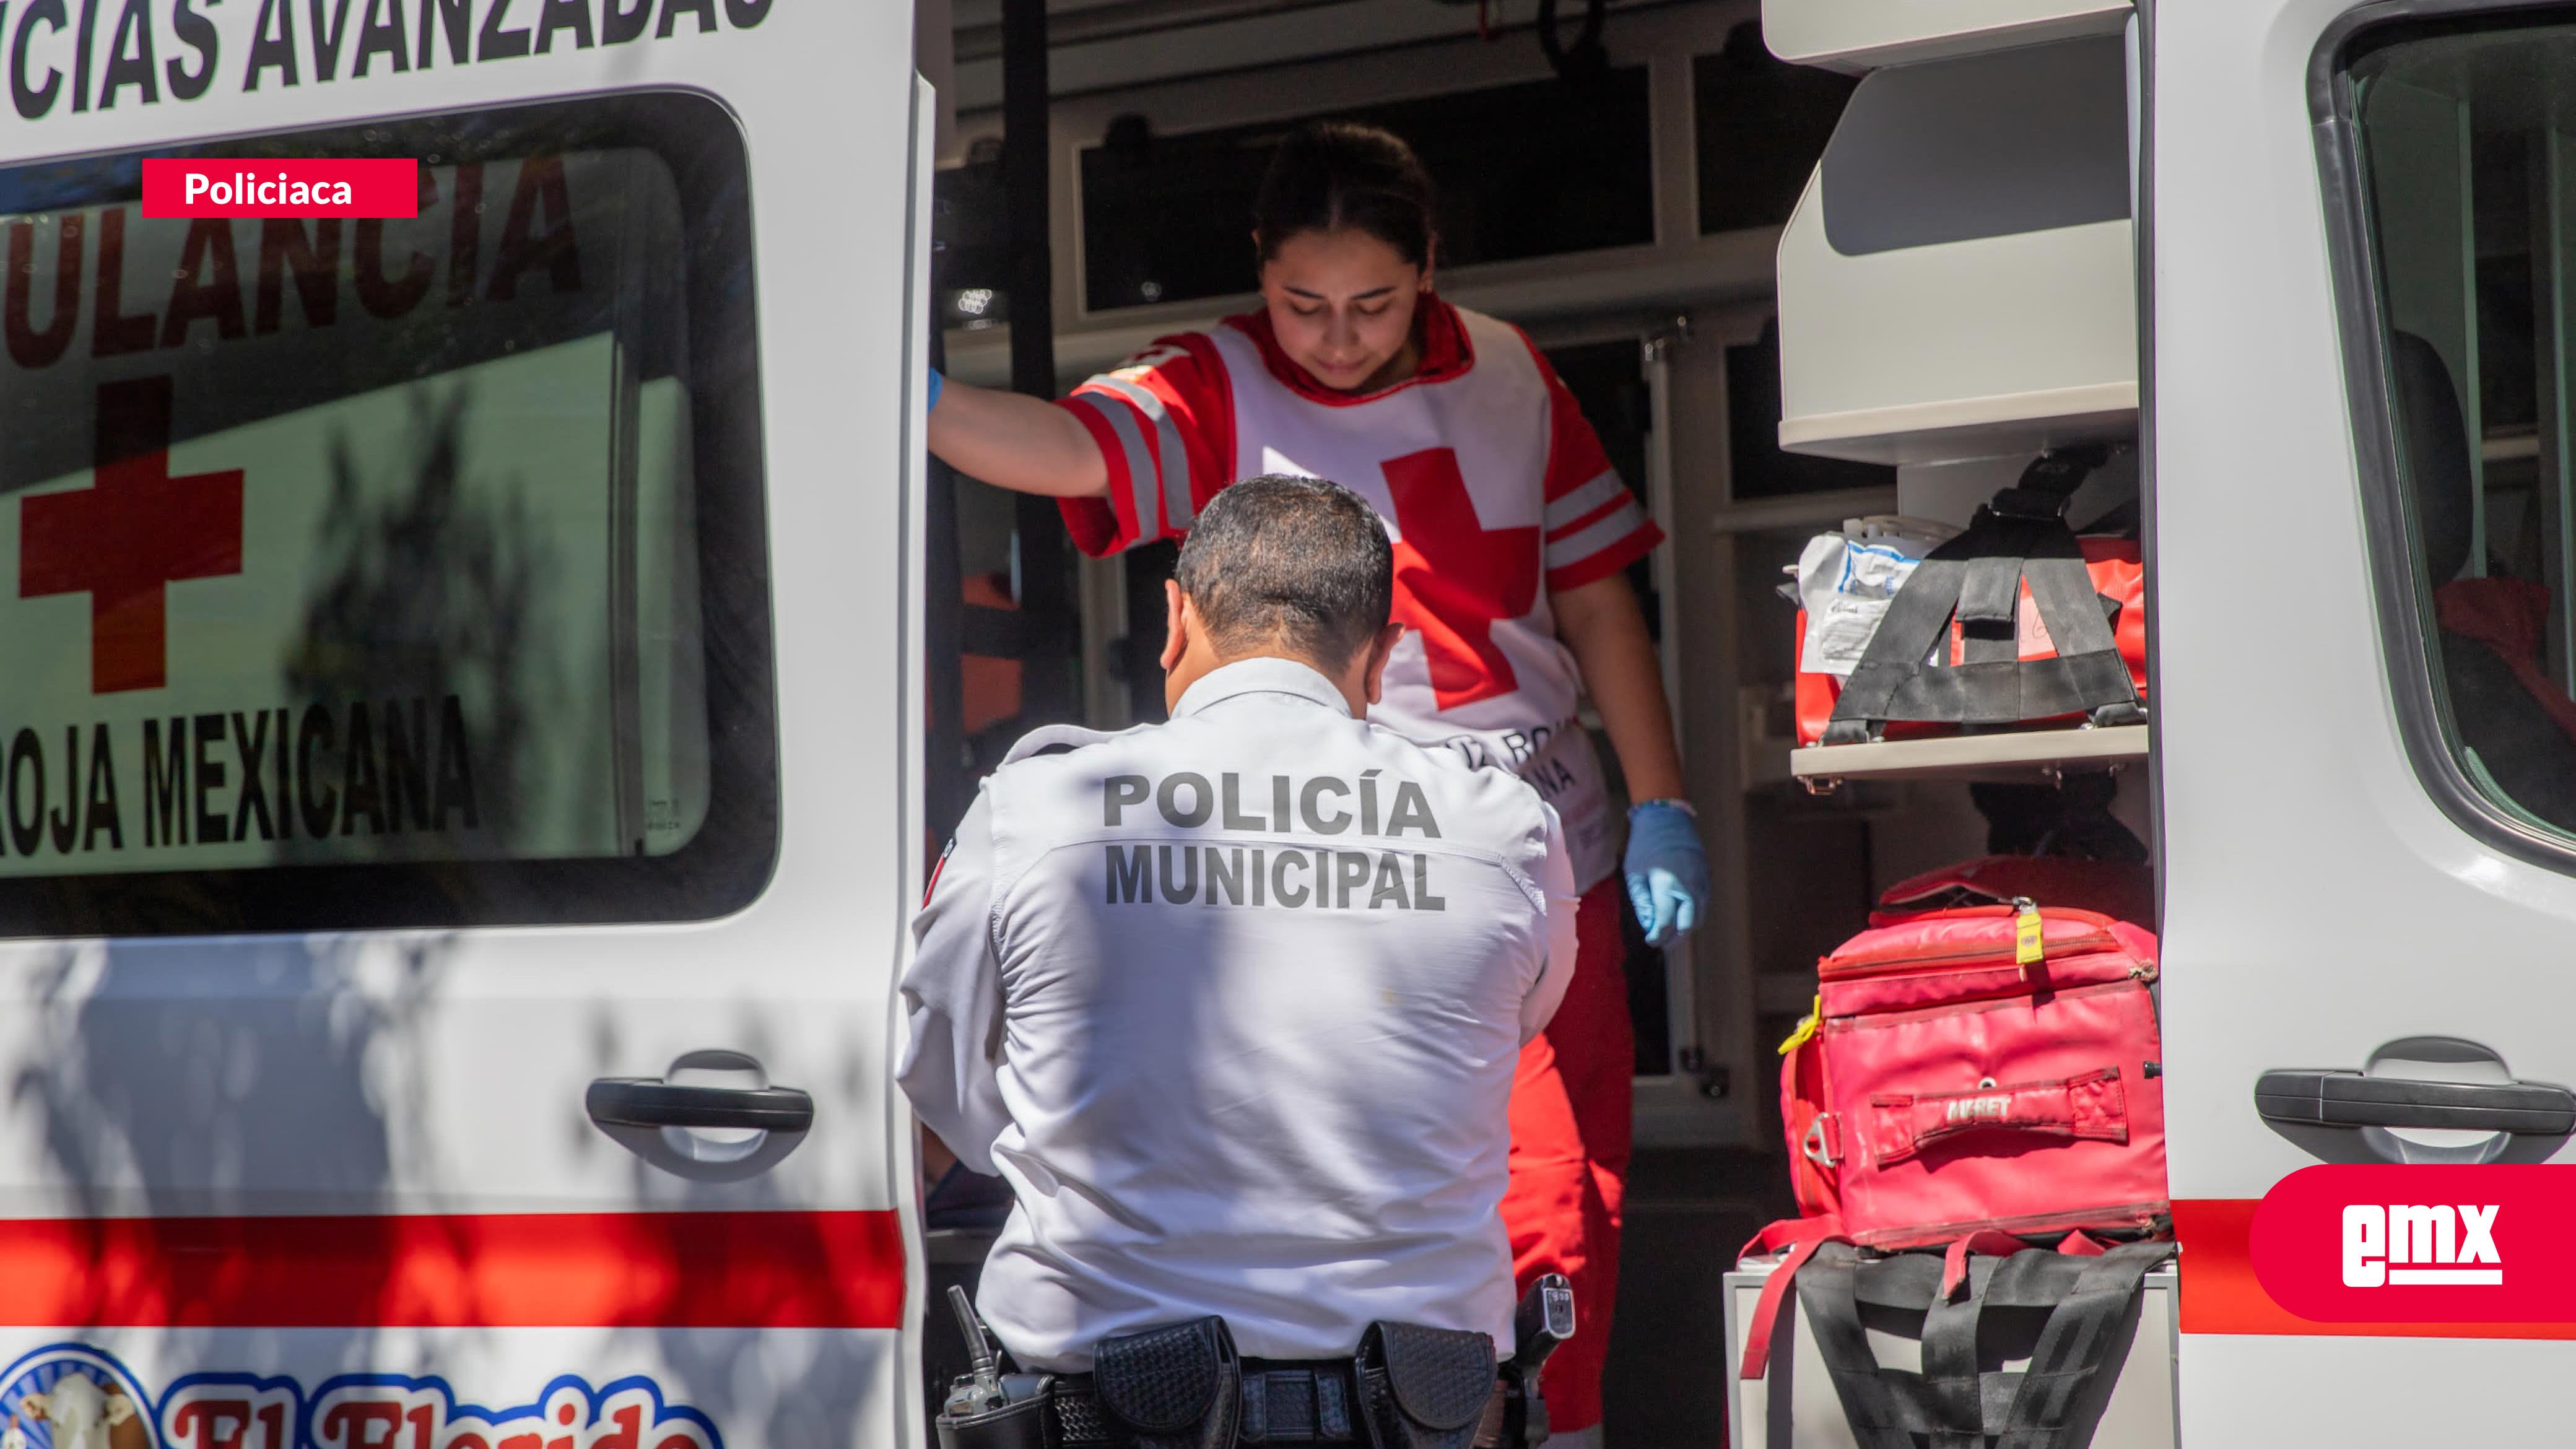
(659, 1270)
(2220, 1293)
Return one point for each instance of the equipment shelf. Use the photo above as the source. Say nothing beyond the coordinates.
(1958, 279)
(1857, 35)
(2019, 755)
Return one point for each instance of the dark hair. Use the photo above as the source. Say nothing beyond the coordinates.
(1333, 174)
(1296, 564)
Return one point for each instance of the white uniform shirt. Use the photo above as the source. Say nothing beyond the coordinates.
(1211, 1088)
(1493, 488)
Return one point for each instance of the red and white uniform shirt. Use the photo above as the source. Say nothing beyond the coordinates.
(1492, 486)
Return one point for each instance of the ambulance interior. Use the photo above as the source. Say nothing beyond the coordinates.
(1637, 184)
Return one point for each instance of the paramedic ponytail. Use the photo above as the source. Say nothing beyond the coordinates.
(1331, 175)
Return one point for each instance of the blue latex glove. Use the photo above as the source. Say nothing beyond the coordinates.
(1667, 870)
(936, 383)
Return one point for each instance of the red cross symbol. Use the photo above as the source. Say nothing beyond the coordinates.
(125, 538)
(1455, 578)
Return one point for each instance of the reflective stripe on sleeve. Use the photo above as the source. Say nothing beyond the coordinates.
(1602, 489)
(1177, 510)
(1609, 531)
(1141, 477)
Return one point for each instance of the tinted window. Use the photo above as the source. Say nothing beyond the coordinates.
(401, 573)
(2470, 223)
(1760, 126)
(1530, 170)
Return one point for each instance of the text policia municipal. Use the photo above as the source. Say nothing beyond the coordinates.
(95, 53)
(1270, 875)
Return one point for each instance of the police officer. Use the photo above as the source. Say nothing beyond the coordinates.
(1233, 1002)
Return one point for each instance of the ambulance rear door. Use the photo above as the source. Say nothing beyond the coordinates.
(2362, 225)
(454, 831)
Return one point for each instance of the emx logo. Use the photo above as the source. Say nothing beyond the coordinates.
(2421, 1244)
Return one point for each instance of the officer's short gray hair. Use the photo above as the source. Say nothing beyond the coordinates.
(1296, 564)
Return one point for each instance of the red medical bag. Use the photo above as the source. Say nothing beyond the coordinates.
(1979, 1064)
(1982, 1066)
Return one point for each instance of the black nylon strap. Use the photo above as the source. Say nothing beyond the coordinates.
(2009, 693)
(1991, 591)
(1906, 1283)
(1952, 1404)
(2051, 479)
(1916, 619)
(2073, 1346)
(2063, 590)
(1950, 1372)
(1989, 610)
(1869, 1396)
(2021, 538)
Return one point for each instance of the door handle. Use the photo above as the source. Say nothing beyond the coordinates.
(2350, 1099)
(667, 1123)
(2420, 1099)
(652, 1102)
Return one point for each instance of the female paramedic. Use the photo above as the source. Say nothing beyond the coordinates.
(1511, 536)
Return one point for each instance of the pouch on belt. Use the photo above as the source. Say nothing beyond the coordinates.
(1175, 1387)
(1426, 1388)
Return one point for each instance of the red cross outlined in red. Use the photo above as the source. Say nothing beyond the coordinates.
(1455, 578)
(129, 535)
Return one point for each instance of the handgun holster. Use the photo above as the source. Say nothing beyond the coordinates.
(1175, 1387)
(1018, 1425)
(1425, 1388)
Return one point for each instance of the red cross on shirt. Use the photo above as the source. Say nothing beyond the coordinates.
(125, 538)
(1455, 578)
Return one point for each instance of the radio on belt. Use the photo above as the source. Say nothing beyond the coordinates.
(1544, 1319)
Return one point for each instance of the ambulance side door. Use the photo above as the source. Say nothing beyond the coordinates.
(454, 685)
(2361, 225)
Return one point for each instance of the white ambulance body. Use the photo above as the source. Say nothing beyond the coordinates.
(394, 633)
(2352, 863)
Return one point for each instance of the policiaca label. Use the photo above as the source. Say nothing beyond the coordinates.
(1263, 875)
(78, 1396)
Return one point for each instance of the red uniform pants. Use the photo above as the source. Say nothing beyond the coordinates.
(1570, 1139)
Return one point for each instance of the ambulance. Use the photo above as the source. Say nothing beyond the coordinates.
(479, 691)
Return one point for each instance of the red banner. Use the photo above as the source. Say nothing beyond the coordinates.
(2422, 1243)
(362, 187)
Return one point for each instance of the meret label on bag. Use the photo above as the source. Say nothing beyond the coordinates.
(2027, 947)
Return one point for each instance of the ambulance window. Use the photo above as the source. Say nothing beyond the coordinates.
(2467, 171)
(402, 573)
